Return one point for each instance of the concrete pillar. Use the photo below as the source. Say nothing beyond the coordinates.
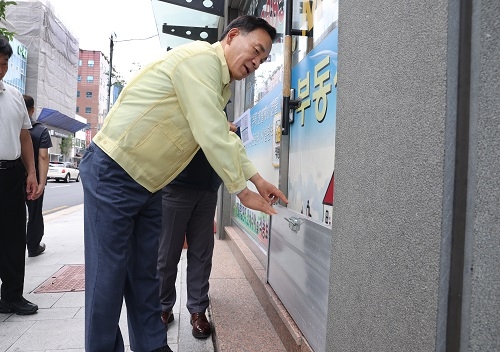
(481, 308)
(416, 213)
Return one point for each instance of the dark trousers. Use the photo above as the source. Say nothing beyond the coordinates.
(186, 212)
(12, 232)
(34, 231)
(121, 228)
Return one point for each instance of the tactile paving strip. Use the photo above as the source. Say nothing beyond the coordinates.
(69, 278)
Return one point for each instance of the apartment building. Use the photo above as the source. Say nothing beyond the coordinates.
(44, 65)
(91, 95)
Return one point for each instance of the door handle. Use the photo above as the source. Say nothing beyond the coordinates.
(294, 223)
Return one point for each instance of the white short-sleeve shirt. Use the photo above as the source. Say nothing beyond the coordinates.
(13, 118)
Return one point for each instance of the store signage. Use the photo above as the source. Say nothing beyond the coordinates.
(88, 137)
(22, 51)
(270, 10)
(273, 12)
(58, 134)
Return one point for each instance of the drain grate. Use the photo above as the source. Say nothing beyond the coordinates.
(69, 278)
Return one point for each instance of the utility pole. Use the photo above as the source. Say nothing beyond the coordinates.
(111, 44)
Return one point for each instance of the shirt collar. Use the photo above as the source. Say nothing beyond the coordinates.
(226, 77)
(2, 87)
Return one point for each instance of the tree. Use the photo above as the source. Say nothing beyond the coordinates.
(117, 78)
(3, 8)
(137, 67)
(66, 145)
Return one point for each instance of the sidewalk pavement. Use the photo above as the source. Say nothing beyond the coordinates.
(59, 323)
(240, 322)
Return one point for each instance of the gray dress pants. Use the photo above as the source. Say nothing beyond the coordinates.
(186, 212)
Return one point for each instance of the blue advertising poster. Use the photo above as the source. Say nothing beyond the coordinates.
(312, 134)
(312, 141)
(260, 136)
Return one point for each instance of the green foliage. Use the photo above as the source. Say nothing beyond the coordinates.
(66, 145)
(3, 8)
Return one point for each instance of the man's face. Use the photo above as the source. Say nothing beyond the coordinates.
(245, 52)
(4, 65)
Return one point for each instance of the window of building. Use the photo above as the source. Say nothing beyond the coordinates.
(90, 63)
(88, 110)
(89, 94)
(79, 78)
(77, 109)
(79, 62)
(90, 79)
(78, 94)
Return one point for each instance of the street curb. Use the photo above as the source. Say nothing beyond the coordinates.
(63, 212)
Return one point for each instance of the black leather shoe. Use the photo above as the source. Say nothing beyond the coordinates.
(20, 306)
(4, 309)
(38, 251)
(167, 318)
(163, 349)
(201, 326)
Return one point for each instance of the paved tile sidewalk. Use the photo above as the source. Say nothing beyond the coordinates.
(59, 323)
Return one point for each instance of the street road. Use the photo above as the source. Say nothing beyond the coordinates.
(60, 195)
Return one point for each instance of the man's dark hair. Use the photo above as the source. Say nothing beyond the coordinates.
(29, 101)
(247, 24)
(5, 47)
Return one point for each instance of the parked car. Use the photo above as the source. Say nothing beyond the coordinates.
(63, 170)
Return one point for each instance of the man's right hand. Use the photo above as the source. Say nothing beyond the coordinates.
(267, 190)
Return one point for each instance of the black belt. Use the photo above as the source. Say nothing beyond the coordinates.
(7, 164)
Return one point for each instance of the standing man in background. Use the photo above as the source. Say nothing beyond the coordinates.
(41, 144)
(188, 204)
(15, 149)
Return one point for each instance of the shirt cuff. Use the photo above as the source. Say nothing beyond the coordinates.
(236, 193)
